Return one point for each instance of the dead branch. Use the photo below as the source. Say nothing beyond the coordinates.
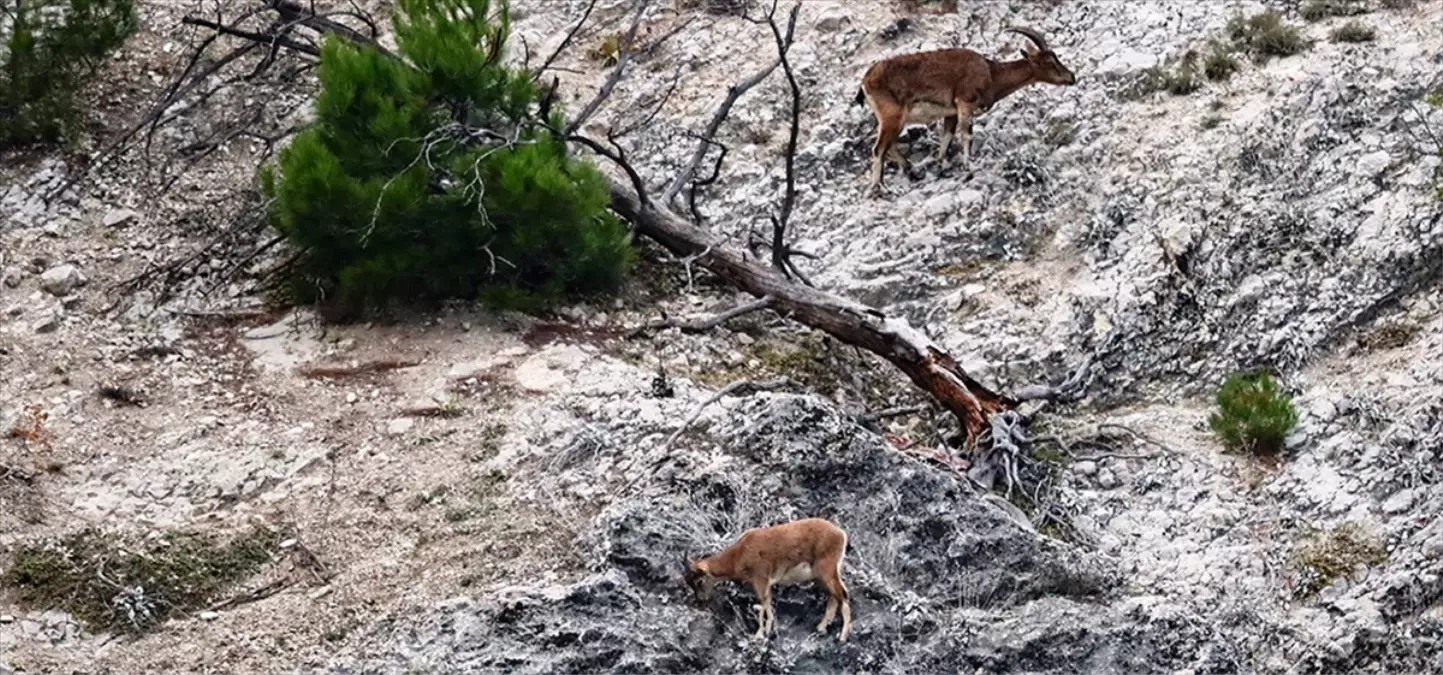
(566, 41)
(703, 325)
(1138, 435)
(784, 45)
(889, 413)
(272, 39)
(617, 71)
(892, 338)
(707, 138)
(365, 368)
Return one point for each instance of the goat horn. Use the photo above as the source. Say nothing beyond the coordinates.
(1030, 34)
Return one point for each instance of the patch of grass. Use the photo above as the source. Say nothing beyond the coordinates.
(1398, 4)
(1317, 10)
(1252, 415)
(1059, 132)
(1178, 78)
(491, 436)
(117, 583)
(436, 495)
(776, 359)
(1265, 35)
(1390, 336)
(1219, 64)
(608, 51)
(1353, 32)
(1211, 121)
(1335, 554)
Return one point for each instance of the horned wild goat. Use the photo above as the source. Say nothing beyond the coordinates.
(790, 553)
(952, 85)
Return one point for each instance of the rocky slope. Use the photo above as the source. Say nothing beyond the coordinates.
(1288, 217)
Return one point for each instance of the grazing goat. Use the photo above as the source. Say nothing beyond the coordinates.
(790, 553)
(953, 85)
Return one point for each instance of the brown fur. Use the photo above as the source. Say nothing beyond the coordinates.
(802, 550)
(952, 85)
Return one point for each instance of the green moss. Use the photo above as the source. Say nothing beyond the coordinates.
(85, 573)
(1335, 554)
(775, 359)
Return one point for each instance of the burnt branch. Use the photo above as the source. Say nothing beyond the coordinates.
(272, 39)
(697, 185)
(617, 71)
(784, 45)
(929, 366)
(618, 157)
(708, 136)
(565, 42)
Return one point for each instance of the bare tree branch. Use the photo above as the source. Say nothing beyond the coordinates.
(566, 41)
(703, 325)
(617, 71)
(892, 338)
(705, 140)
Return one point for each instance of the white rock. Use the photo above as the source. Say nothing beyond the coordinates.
(832, 21)
(535, 374)
(62, 279)
(118, 217)
(400, 425)
(1401, 501)
(940, 205)
(1372, 163)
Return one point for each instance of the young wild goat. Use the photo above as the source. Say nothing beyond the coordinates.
(953, 85)
(790, 553)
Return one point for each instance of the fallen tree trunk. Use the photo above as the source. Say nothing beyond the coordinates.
(890, 337)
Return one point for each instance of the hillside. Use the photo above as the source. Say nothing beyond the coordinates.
(465, 491)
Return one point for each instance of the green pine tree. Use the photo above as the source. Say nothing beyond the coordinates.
(425, 177)
(47, 50)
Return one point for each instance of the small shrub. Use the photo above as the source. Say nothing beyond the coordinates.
(110, 582)
(1335, 554)
(1252, 416)
(50, 47)
(1059, 132)
(1317, 10)
(1211, 121)
(1390, 336)
(1265, 35)
(1180, 78)
(1399, 4)
(1219, 64)
(428, 178)
(1354, 31)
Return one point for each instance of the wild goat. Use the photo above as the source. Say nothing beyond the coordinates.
(953, 85)
(790, 553)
